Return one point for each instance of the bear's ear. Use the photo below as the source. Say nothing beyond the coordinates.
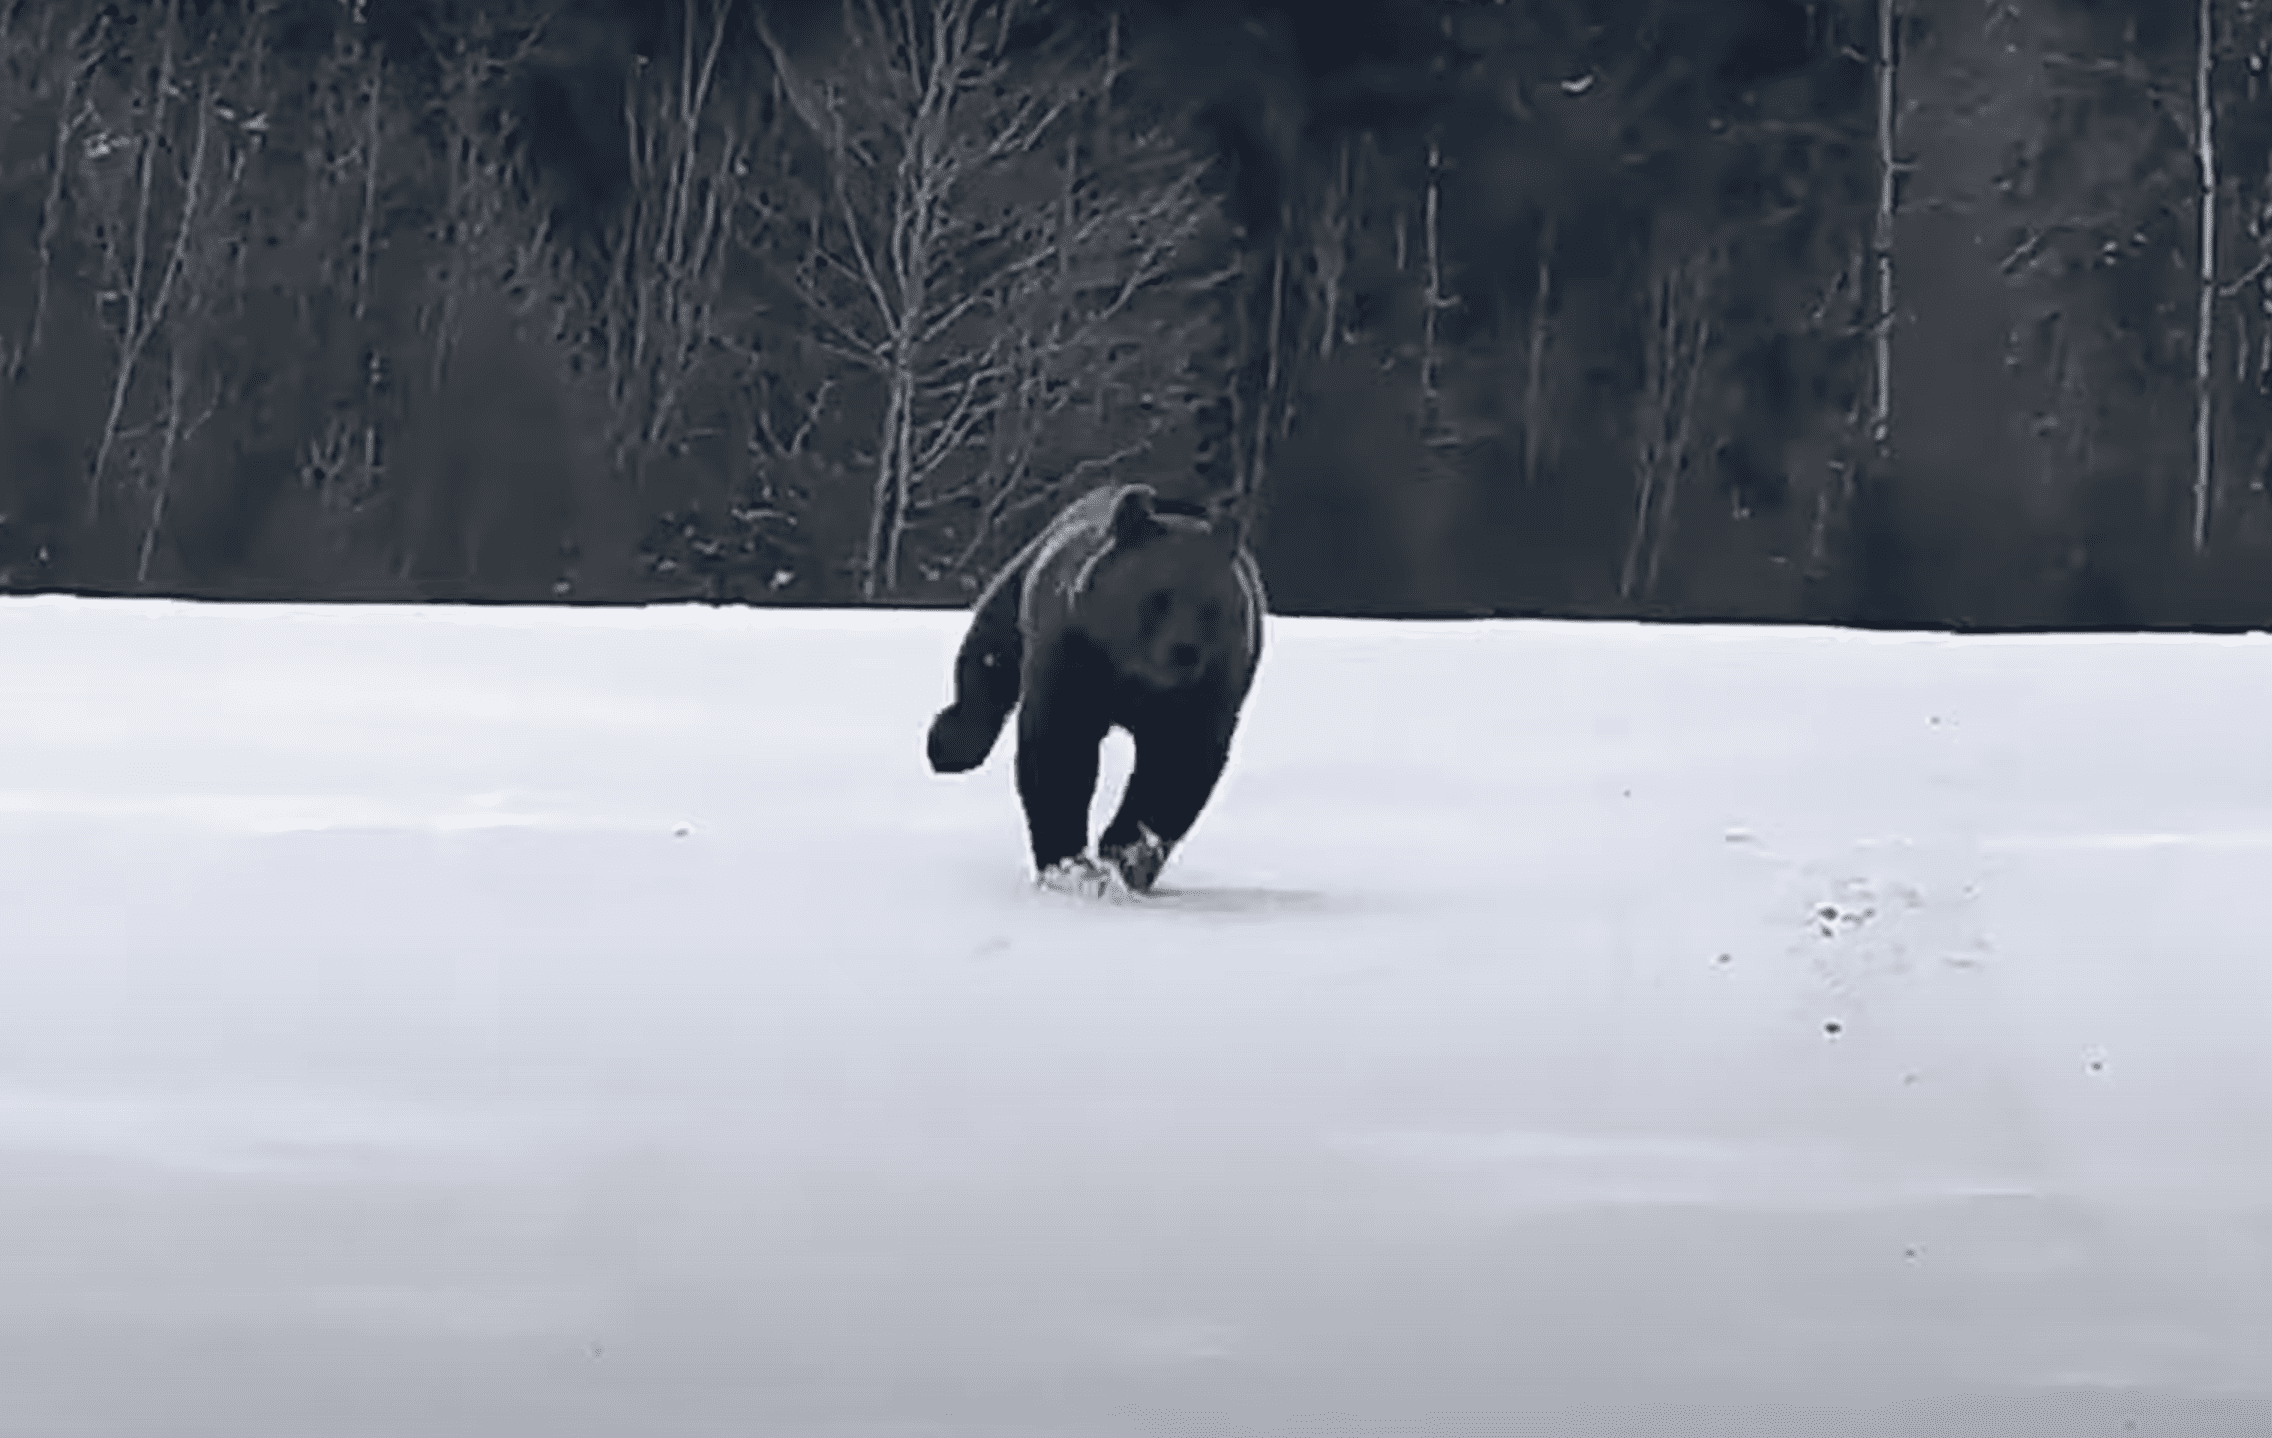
(1132, 518)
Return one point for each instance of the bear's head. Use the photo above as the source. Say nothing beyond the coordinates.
(1164, 597)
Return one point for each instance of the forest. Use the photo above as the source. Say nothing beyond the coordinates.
(1910, 313)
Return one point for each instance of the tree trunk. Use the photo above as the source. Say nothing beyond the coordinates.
(1270, 388)
(1679, 334)
(886, 506)
(142, 314)
(1332, 252)
(1433, 299)
(371, 133)
(2205, 140)
(1660, 531)
(1881, 415)
(175, 383)
(1534, 381)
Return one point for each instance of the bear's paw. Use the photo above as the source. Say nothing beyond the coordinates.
(1083, 877)
(1139, 861)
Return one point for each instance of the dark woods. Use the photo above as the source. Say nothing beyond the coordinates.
(1874, 311)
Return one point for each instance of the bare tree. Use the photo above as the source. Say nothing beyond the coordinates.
(2250, 38)
(116, 203)
(482, 235)
(1302, 280)
(1329, 246)
(156, 181)
(2087, 184)
(490, 256)
(176, 427)
(1674, 345)
(658, 321)
(346, 135)
(1433, 300)
(47, 65)
(1260, 366)
(964, 246)
(2205, 147)
(1534, 373)
(1097, 374)
(1881, 415)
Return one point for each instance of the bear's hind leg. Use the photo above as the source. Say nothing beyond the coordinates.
(986, 686)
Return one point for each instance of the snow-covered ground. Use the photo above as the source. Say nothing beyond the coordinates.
(506, 1022)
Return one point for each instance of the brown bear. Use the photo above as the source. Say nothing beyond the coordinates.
(1127, 611)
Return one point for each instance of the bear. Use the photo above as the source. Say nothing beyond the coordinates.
(1127, 611)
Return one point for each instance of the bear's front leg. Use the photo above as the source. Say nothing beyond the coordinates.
(1177, 767)
(1057, 777)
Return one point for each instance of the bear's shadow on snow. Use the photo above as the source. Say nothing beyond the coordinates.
(1234, 899)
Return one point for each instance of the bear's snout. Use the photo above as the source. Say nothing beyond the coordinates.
(1183, 658)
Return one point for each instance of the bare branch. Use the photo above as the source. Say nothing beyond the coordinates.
(984, 307)
(71, 114)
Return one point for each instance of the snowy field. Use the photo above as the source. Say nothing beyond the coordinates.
(522, 1024)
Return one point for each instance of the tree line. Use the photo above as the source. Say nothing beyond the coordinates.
(1873, 311)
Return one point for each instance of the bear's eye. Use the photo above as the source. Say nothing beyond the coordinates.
(1156, 604)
